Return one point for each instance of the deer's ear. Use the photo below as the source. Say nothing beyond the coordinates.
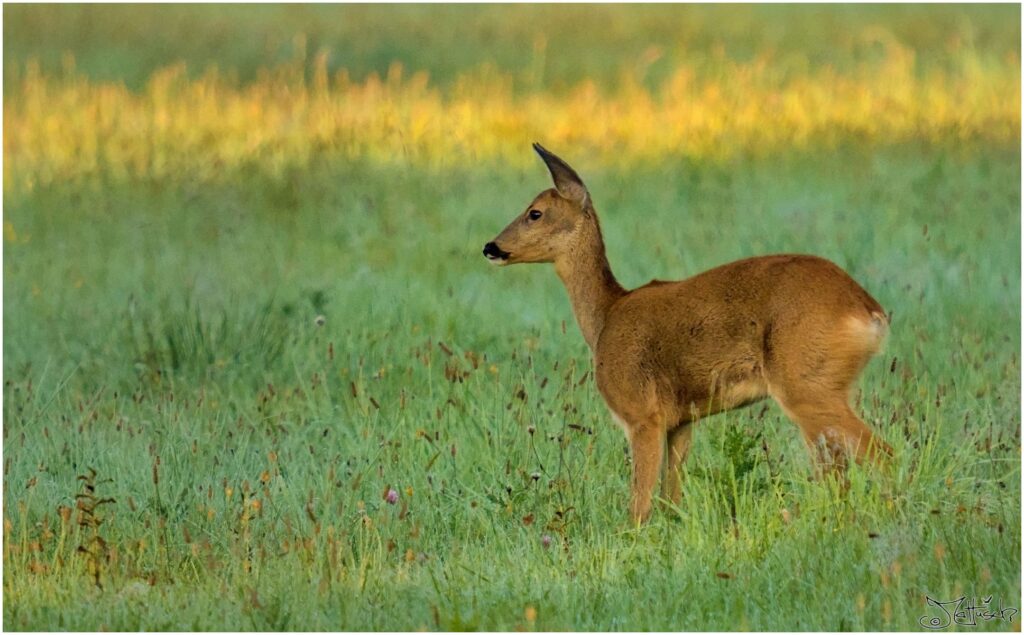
(567, 182)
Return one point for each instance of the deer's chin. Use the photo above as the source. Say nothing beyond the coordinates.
(497, 261)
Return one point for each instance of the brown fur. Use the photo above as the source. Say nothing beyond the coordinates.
(794, 328)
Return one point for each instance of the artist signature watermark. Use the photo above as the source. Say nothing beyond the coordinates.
(964, 611)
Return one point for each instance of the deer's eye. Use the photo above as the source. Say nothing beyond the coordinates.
(534, 214)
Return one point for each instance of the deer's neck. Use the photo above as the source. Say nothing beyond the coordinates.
(592, 287)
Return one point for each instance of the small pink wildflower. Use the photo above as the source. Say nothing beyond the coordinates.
(545, 540)
(392, 496)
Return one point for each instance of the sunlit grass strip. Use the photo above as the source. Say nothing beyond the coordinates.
(68, 128)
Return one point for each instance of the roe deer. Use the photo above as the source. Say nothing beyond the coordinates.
(793, 327)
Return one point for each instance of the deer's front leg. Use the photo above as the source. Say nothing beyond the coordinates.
(678, 447)
(646, 441)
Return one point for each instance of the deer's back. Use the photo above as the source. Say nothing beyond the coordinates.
(720, 329)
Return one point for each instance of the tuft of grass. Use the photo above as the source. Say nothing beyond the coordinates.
(185, 343)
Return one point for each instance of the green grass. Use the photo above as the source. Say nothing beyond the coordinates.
(158, 321)
(161, 340)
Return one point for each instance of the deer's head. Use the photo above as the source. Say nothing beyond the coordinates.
(550, 225)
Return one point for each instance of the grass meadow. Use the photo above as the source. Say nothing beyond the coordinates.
(257, 375)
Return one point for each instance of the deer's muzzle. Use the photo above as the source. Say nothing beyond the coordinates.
(494, 253)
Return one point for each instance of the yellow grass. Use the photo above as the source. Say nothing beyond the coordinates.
(69, 128)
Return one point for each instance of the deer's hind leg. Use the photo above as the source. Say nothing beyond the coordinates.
(833, 432)
(811, 376)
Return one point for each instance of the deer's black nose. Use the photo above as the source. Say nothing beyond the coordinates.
(493, 252)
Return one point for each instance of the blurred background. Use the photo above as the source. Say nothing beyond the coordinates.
(218, 86)
(301, 144)
(242, 241)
